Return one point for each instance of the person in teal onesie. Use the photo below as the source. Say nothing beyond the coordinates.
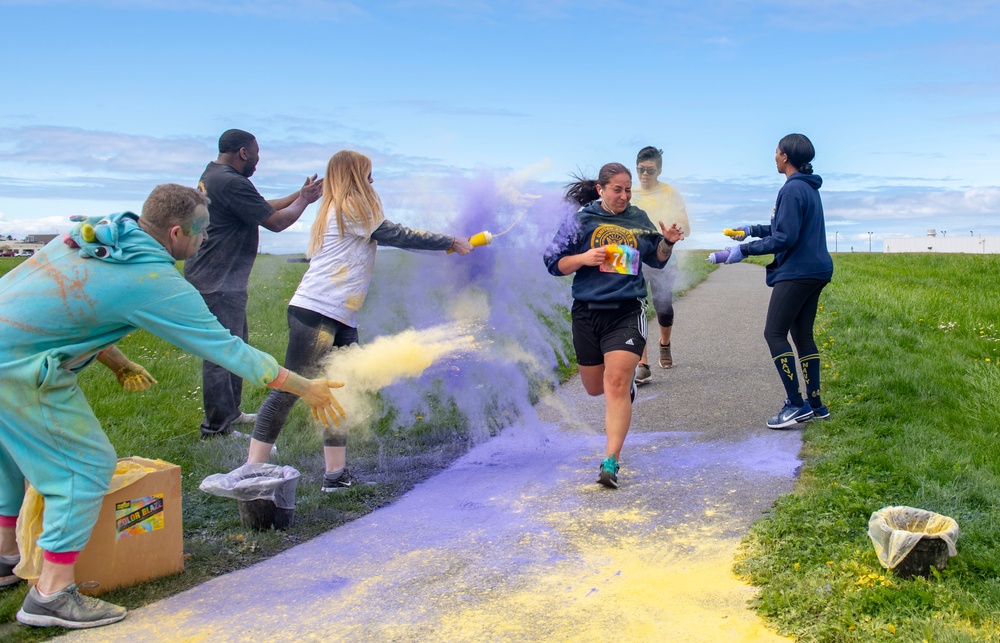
(64, 308)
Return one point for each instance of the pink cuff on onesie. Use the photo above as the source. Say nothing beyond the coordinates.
(8, 521)
(279, 381)
(61, 558)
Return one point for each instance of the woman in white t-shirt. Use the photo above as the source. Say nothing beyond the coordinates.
(322, 315)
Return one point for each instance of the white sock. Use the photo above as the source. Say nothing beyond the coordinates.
(10, 560)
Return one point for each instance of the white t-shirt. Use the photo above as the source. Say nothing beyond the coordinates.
(336, 283)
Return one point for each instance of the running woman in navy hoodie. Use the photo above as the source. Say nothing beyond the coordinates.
(603, 245)
(801, 268)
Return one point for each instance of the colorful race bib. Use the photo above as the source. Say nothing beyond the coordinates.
(620, 259)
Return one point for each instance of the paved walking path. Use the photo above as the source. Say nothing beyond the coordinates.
(515, 541)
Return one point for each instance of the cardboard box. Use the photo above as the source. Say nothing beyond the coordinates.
(139, 534)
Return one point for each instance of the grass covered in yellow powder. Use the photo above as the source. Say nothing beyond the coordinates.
(910, 346)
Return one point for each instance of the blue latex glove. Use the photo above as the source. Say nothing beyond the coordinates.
(745, 229)
(735, 254)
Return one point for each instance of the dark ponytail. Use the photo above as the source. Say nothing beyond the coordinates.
(800, 152)
(583, 191)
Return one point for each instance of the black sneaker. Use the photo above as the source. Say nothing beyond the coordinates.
(7, 575)
(337, 481)
(68, 608)
(821, 412)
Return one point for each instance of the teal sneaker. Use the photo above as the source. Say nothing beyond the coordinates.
(608, 475)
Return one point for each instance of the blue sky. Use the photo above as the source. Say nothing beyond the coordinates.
(104, 99)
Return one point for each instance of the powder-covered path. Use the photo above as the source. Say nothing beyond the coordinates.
(515, 541)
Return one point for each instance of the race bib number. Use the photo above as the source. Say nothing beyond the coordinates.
(620, 259)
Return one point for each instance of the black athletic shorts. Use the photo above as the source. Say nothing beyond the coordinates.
(602, 327)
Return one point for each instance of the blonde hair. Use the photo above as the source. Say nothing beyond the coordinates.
(347, 192)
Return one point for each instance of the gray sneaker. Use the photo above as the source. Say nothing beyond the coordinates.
(643, 374)
(7, 575)
(68, 608)
(666, 359)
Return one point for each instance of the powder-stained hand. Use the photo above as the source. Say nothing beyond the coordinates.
(133, 377)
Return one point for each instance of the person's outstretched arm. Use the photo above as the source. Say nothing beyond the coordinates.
(316, 393)
(287, 210)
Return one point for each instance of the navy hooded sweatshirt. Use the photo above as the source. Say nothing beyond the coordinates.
(796, 235)
(592, 226)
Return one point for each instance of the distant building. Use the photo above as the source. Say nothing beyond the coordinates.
(26, 247)
(39, 239)
(933, 243)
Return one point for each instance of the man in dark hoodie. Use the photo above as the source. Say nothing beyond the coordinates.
(802, 266)
(603, 245)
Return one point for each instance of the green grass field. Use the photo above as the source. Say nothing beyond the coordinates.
(910, 345)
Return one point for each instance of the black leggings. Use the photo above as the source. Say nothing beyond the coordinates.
(311, 336)
(793, 310)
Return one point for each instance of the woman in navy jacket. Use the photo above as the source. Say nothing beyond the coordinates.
(603, 245)
(802, 266)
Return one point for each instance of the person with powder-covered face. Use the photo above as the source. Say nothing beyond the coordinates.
(663, 202)
(603, 245)
(322, 315)
(121, 268)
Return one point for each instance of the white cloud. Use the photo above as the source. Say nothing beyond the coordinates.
(97, 172)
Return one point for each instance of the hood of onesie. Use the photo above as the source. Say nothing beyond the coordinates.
(116, 238)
